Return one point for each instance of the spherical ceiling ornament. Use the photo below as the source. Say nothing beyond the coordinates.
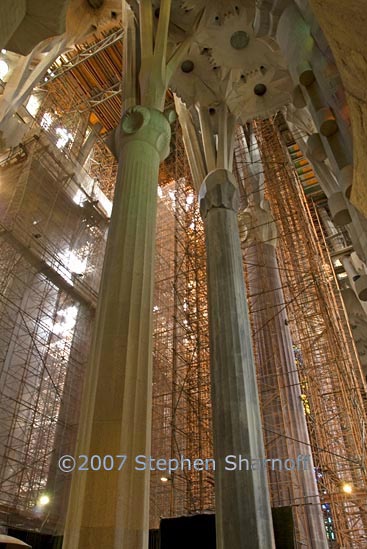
(260, 90)
(239, 40)
(187, 66)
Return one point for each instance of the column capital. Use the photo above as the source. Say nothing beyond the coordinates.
(219, 190)
(257, 224)
(147, 125)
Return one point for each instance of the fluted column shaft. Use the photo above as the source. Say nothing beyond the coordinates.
(283, 412)
(111, 508)
(243, 515)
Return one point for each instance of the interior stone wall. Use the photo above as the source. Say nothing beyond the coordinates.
(344, 24)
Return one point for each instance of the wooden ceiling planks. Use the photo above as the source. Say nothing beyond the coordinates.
(86, 82)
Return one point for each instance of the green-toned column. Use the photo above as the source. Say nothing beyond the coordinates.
(110, 508)
(243, 515)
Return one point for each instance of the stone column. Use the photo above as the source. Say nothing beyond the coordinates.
(110, 509)
(89, 144)
(58, 486)
(284, 419)
(243, 515)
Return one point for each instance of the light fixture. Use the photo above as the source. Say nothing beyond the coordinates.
(33, 105)
(347, 488)
(43, 500)
(164, 479)
(4, 69)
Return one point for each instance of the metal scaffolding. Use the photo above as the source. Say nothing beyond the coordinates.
(53, 225)
(331, 383)
(283, 419)
(52, 239)
(181, 389)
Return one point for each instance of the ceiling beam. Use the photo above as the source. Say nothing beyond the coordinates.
(83, 56)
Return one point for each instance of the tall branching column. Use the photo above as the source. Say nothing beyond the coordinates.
(243, 514)
(284, 419)
(284, 422)
(110, 508)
